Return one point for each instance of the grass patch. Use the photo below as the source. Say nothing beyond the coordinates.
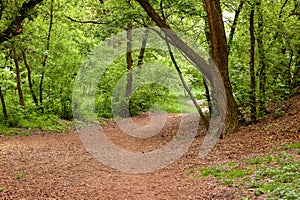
(274, 177)
(292, 146)
(225, 173)
(20, 175)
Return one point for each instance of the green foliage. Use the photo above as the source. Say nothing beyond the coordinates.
(24, 120)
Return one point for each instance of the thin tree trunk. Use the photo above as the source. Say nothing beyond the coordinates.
(143, 48)
(35, 100)
(233, 27)
(129, 61)
(252, 65)
(3, 105)
(203, 117)
(46, 55)
(262, 72)
(18, 74)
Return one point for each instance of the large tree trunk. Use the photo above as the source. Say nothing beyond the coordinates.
(35, 100)
(18, 74)
(220, 58)
(3, 105)
(252, 65)
(219, 47)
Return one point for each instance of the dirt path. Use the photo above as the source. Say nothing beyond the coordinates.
(57, 166)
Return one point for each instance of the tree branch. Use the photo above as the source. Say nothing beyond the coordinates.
(15, 27)
(86, 22)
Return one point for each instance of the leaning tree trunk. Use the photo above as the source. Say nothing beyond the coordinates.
(220, 58)
(231, 122)
(18, 74)
(5, 115)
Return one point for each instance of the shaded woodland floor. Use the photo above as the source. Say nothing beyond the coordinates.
(57, 166)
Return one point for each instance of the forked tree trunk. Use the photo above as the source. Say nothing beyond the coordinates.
(18, 74)
(252, 65)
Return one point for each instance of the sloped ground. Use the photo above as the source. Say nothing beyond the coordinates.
(57, 166)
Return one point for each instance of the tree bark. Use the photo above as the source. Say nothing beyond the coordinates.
(5, 115)
(252, 65)
(46, 55)
(220, 58)
(231, 122)
(18, 74)
(35, 100)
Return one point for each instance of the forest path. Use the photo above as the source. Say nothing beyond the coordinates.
(58, 166)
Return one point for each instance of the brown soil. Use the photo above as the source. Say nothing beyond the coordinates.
(57, 166)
